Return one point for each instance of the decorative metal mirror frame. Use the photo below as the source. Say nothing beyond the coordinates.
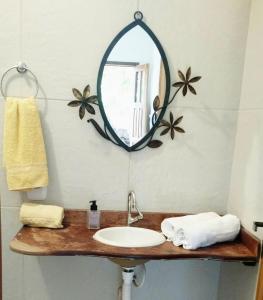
(137, 22)
(85, 101)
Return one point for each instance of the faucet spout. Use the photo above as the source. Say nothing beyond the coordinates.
(133, 206)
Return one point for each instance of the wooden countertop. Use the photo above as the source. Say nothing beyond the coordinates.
(76, 239)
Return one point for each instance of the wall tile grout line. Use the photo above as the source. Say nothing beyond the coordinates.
(23, 279)
(176, 107)
(21, 29)
(10, 207)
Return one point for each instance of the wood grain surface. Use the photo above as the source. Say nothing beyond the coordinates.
(260, 280)
(76, 239)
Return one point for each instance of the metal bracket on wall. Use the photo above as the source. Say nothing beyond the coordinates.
(256, 225)
(249, 263)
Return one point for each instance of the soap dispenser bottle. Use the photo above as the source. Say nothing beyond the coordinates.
(94, 216)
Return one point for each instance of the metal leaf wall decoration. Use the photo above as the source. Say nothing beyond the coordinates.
(86, 103)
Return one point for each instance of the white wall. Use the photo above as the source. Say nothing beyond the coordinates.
(246, 192)
(63, 42)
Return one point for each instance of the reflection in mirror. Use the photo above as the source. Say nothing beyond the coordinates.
(133, 76)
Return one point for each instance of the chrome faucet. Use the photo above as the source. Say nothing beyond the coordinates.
(132, 206)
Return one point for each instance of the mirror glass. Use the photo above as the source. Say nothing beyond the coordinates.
(133, 75)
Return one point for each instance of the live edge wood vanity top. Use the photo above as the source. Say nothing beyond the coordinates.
(76, 239)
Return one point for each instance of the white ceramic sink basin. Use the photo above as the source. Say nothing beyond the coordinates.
(126, 236)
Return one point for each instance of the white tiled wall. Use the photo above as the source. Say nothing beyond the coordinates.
(245, 197)
(63, 42)
(246, 189)
(184, 177)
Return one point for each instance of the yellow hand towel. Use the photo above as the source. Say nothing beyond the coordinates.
(37, 215)
(24, 149)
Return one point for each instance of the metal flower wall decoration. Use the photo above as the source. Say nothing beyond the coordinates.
(85, 103)
(186, 82)
(172, 125)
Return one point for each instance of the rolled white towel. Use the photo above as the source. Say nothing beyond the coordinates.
(209, 232)
(171, 227)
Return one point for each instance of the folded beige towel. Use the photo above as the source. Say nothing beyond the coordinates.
(38, 215)
(24, 149)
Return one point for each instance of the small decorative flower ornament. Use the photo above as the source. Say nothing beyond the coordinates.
(171, 126)
(186, 82)
(84, 101)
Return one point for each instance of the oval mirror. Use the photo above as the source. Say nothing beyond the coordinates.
(133, 73)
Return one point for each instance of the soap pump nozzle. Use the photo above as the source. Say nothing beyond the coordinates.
(93, 205)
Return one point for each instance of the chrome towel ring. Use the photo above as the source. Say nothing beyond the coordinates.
(21, 68)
